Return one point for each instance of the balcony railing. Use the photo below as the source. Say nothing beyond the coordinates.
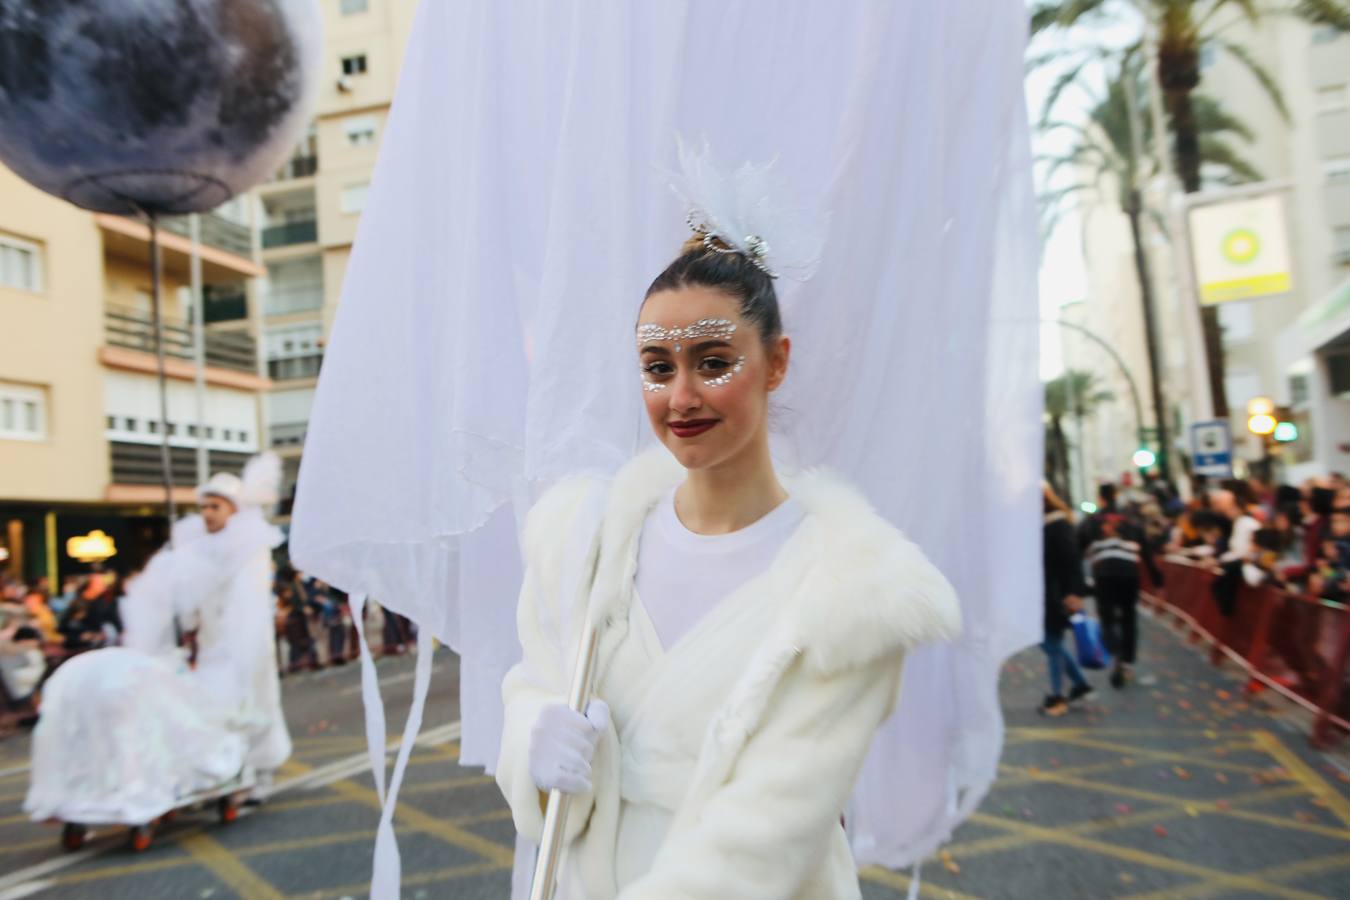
(289, 434)
(217, 231)
(295, 367)
(135, 330)
(290, 233)
(297, 167)
(283, 300)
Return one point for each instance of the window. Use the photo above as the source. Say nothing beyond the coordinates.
(243, 437)
(1235, 319)
(228, 434)
(112, 423)
(152, 426)
(1325, 34)
(354, 7)
(354, 65)
(192, 431)
(20, 264)
(210, 431)
(1331, 99)
(1337, 170)
(360, 131)
(1342, 239)
(129, 423)
(354, 197)
(23, 412)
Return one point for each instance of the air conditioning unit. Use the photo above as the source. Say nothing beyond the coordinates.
(344, 84)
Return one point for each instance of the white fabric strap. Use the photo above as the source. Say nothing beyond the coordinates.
(384, 883)
(914, 882)
(370, 696)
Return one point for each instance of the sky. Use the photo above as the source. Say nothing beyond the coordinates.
(1063, 275)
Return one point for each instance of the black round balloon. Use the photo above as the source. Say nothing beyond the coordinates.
(156, 106)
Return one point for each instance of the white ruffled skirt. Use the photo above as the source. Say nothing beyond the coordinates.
(124, 737)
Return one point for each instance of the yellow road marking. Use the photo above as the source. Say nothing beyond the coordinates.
(440, 828)
(1147, 817)
(1142, 753)
(444, 784)
(1153, 860)
(901, 882)
(1274, 873)
(464, 871)
(1304, 774)
(225, 866)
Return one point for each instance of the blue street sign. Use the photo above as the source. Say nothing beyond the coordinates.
(1212, 449)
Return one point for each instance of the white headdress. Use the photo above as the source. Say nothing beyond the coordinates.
(746, 212)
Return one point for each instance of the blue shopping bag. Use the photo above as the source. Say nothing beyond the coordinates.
(1087, 637)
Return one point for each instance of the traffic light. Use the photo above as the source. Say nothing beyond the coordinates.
(1144, 458)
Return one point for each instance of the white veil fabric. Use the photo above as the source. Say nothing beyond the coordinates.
(484, 344)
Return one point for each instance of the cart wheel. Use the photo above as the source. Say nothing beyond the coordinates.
(72, 836)
(140, 838)
(229, 810)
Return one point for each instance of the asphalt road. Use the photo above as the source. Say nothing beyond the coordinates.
(1181, 789)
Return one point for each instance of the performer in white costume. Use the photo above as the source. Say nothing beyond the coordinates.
(128, 733)
(482, 353)
(753, 628)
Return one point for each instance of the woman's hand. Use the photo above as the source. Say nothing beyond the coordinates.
(1073, 603)
(562, 745)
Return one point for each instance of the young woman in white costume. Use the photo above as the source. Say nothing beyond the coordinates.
(753, 627)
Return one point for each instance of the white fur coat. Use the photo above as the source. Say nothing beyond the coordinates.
(732, 755)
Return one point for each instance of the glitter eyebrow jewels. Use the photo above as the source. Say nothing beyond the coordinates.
(723, 379)
(721, 329)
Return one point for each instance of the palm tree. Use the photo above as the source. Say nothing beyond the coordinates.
(1184, 29)
(1075, 393)
(1107, 147)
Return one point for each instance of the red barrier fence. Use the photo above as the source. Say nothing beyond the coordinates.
(1296, 645)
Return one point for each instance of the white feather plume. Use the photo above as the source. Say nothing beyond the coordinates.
(747, 210)
(262, 480)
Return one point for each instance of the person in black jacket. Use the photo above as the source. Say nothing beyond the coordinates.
(1064, 591)
(1115, 546)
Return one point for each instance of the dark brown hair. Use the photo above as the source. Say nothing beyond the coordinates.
(731, 273)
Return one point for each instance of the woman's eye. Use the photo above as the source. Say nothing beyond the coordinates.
(714, 364)
(658, 369)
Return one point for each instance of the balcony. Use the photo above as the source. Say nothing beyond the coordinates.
(297, 167)
(283, 301)
(289, 434)
(135, 330)
(294, 368)
(290, 233)
(217, 231)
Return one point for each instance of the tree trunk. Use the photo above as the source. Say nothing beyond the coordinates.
(1179, 72)
(1134, 211)
(1059, 458)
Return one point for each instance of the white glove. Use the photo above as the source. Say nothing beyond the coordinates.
(562, 744)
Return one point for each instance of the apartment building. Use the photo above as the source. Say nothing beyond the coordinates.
(79, 399)
(311, 208)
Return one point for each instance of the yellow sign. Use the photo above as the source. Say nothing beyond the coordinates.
(1240, 249)
(92, 547)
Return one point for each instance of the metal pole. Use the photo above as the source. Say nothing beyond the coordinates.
(1129, 379)
(545, 882)
(157, 313)
(199, 347)
(1141, 260)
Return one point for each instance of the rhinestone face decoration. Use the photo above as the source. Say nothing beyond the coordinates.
(652, 387)
(724, 378)
(721, 329)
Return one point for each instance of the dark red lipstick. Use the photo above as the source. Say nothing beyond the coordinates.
(692, 428)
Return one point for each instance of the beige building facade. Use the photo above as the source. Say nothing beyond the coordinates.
(311, 209)
(79, 399)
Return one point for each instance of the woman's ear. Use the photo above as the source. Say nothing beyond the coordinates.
(779, 358)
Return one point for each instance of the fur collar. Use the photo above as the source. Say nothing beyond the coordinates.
(866, 591)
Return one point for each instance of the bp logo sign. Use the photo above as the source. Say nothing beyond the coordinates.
(1241, 246)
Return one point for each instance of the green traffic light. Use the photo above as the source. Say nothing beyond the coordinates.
(1144, 458)
(1286, 432)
